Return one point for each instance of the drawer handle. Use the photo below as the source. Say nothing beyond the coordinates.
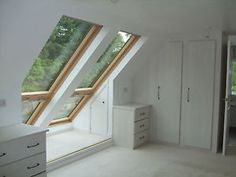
(34, 166)
(142, 114)
(3, 154)
(141, 126)
(142, 137)
(31, 146)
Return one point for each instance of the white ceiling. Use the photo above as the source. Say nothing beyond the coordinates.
(169, 16)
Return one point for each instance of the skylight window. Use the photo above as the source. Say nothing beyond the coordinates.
(67, 42)
(96, 75)
(62, 43)
(105, 60)
(69, 106)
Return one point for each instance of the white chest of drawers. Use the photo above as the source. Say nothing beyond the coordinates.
(22, 151)
(130, 125)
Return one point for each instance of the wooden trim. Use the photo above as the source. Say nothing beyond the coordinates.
(83, 91)
(60, 121)
(133, 39)
(37, 111)
(35, 96)
(130, 43)
(74, 59)
(65, 72)
(78, 108)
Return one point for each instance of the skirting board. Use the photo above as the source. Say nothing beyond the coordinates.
(180, 146)
(52, 165)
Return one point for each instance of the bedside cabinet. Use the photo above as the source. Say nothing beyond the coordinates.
(130, 125)
(22, 151)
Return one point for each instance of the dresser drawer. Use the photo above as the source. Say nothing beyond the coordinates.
(22, 147)
(28, 167)
(141, 113)
(141, 125)
(140, 138)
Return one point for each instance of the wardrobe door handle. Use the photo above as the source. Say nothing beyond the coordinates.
(158, 92)
(188, 95)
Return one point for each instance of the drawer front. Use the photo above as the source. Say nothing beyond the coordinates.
(141, 113)
(141, 125)
(140, 138)
(28, 167)
(22, 148)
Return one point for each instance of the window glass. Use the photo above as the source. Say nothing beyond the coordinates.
(62, 43)
(105, 60)
(68, 106)
(28, 108)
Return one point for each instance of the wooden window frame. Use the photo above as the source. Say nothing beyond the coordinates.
(89, 92)
(46, 96)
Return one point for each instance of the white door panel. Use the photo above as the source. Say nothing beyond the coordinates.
(197, 93)
(99, 113)
(169, 93)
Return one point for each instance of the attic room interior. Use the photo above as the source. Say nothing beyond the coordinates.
(118, 88)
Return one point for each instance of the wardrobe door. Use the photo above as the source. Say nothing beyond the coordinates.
(169, 92)
(197, 93)
(99, 116)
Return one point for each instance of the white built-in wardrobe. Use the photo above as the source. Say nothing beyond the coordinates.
(186, 93)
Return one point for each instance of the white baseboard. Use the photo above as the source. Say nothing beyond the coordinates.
(52, 165)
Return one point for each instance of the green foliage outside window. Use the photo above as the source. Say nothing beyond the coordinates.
(103, 62)
(62, 43)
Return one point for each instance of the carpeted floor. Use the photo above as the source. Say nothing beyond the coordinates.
(70, 141)
(151, 160)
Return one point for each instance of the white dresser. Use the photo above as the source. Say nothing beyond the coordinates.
(130, 124)
(22, 151)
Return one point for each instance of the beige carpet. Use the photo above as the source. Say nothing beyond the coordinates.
(68, 142)
(152, 160)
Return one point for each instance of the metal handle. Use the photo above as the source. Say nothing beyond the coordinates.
(141, 126)
(34, 166)
(3, 154)
(31, 146)
(188, 95)
(142, 137)
(142, 113)
(158, 92)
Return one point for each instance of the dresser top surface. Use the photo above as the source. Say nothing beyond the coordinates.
(8, 133)
(131, 106)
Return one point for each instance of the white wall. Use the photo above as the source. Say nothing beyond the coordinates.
(143, 74)
(26, 25)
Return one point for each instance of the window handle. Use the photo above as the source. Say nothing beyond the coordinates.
(158, 92)
(188, 95)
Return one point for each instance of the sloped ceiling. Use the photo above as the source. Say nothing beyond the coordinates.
(25, 26)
